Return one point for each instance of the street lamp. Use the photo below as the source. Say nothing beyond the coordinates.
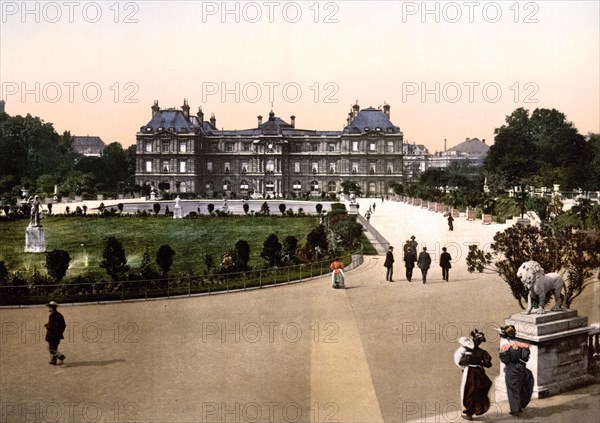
(522, 195)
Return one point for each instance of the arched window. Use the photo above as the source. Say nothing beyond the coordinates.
(331, 186)
(182, 187)
(244, 185)
(270, 186)
(297, 186)
(372, 188)
(226, 186)
(314, 186)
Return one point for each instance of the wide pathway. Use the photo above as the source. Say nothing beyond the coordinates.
(377, 351)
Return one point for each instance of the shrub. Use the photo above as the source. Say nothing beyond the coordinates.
(57, 263)
(114, 260)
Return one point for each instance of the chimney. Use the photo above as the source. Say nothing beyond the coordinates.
(200, 115)
(483, 140)
(356, 108)
(271, 115)
(444, 144)
(186, 109)
(293, 121)
(155, 108)
(213, 120)
(467, 139)
(386, 110)
(259, 117)
(350, 116)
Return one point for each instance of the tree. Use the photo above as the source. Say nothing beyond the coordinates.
(564, 251)
(211, 208)
(264, 208)
(282, 208)
(164, 259)
(146, 270)
(246, 207)
(582, 208)
(209, 262)
(348, 233)
(317, 240)
(319, 208)
(114, 260)
(271, 250)
(348, 186)
(242, 249)
(57, 263)
(290, 244)
(156, 208)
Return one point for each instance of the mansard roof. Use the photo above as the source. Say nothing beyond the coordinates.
(370, 119)
(173, 118)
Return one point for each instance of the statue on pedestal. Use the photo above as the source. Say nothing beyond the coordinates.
(36, 210)
(35, 241)
(539, 285)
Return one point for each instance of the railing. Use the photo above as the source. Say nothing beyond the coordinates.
(177, 286)
(367, 225)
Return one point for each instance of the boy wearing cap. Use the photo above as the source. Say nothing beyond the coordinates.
(54, 333)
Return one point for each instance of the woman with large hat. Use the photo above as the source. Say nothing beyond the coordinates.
(519, 379)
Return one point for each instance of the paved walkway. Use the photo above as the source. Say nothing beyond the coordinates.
(377, 351)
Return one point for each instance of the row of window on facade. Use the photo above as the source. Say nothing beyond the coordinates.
(230, 147)
(270, 186)
(270, 166)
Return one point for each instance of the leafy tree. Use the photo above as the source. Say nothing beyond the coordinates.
(164, 186)
(242, 249)
(348, 186)
(264, 208)
(282, 208)
(317, 240)
(564, 251)
(582, 208)
(211, 208)
(319, 208)
(57, 263)
(3, 274)
(246, 207)
(164, 259)
(348, 233)
(271, 250)
(114, 260)
(146, 270)
(156, 208)
(290, 244)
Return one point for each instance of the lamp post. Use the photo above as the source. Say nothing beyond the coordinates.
(521, 194)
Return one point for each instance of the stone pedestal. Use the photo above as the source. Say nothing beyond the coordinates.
(177, 212)
(558, 344)
(35, 239)
(352, 208)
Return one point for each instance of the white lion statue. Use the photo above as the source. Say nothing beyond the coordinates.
(539, 285)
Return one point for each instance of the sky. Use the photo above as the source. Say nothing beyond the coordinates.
(449, 70)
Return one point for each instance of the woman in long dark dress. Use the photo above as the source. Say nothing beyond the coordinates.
(519, 379)
(475, 383)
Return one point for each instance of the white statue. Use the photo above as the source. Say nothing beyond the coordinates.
(539, 285)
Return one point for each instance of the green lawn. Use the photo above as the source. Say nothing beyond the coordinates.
(190, 238)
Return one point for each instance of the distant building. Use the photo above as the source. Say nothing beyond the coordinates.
(416, 160)
(472, 151)
(274, 158)
(88, 146)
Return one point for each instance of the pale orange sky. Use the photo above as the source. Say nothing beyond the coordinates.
(451, 79)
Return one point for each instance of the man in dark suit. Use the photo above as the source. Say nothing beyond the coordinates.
(54, 333)
(389, 264)
(424, 262)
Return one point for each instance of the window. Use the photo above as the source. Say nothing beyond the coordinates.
(226, 186)
(331, 167)
(354, 145)
(209, 186)
(314, 186)
(372, 188)
(270, 166)
(148, 146)
(331, 186)
(372, 168)
(390, 168)
(298, 148)
(331, 147)
(315, 147)
(209, 167)
(165, 146)
(183, 147)
(214, 147)
(297, 186)
(390, 147)
(165, 166)
(372, 146)
(183, 187)
(297, 167)
(244, 167)
(229, 147)
(270, 186)
(315, 167)
(226, 167)
(354, 168)
(148, 165)
(246, 146)
(244, 186)
(182, 166)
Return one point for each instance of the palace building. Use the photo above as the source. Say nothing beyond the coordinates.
(274, 158)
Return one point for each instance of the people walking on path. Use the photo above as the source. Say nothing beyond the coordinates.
(406, 246)
(519, 379)
(445, 264)
(475, 384)
(389, 264)
(450, 220)
(409, 262)
(414, 244)
(424, 263)
(54, 333)
(337, 274)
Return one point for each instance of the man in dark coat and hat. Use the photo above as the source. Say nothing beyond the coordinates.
(54, 333)
(389, 264)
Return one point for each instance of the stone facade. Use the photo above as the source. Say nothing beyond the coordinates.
(275, 158)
